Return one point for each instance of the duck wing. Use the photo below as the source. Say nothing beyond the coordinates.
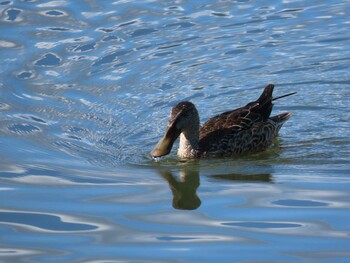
(236, 120)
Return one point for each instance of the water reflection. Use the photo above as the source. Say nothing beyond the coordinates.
(184, 183)
(184, 187)
(263, 177)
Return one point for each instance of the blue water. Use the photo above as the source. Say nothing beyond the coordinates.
(85, 93)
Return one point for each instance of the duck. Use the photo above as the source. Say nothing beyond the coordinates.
(245, 130)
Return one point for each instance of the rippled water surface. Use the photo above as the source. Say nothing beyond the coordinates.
(85, 93)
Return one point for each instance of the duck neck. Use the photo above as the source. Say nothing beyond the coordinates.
(189, 144)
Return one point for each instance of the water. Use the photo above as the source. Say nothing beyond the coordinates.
(85, 92)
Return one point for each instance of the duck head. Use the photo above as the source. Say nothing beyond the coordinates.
(183, 119)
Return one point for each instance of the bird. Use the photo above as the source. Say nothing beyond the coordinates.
(248, 129)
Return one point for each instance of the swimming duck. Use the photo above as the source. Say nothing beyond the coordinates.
(248, 129)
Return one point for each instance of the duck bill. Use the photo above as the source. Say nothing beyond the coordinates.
(165, 144)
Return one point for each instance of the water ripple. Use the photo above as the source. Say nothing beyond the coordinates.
(49, 223)
(54, 13)
(13, 15)
(299, 203)
(263, 225)
(48, 60)
(85, 93)
(310, 229)
(18, 253)
(23, 129)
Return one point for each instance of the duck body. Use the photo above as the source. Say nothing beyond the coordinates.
(248, 129)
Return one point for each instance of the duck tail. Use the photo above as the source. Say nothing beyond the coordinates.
(264, 102)
(279, 120)
(266, 96)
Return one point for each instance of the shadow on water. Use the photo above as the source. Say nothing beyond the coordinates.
(185, 181)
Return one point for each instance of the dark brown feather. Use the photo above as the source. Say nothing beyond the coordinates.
(226, 132)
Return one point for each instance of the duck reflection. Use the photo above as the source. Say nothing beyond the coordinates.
(184, 187)
(263, 177)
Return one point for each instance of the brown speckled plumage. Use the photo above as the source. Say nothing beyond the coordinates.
(247, 129)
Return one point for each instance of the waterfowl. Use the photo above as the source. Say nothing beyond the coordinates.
(248, 129)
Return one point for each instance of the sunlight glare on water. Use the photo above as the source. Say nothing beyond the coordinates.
(86, 88)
